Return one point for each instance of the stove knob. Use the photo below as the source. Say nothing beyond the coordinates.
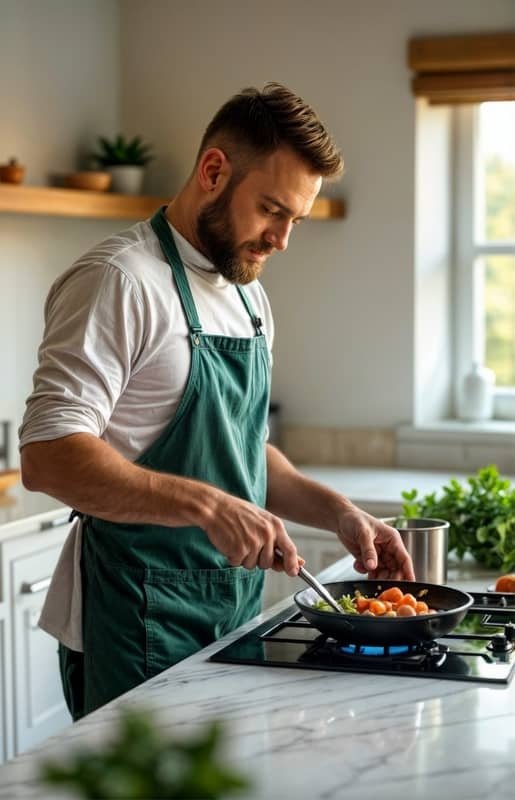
(509, 631)
(499, 643)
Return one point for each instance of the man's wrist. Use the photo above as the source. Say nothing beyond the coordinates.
(202, 504)
(344, 507)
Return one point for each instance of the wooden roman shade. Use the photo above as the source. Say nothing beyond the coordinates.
(463, 69)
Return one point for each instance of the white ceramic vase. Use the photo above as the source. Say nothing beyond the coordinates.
(477, 394)
(126, 179)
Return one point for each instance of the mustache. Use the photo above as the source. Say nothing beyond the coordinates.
(262, 248)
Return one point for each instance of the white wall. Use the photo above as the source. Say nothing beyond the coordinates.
(59, 88)
(343, 295)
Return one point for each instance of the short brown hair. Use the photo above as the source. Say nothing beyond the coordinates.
(255, 123)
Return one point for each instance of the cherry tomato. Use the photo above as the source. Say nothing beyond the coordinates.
(377, 607)
(393, 594)
(406, 611)
(407, 600)
(506, 583)
(362, 603)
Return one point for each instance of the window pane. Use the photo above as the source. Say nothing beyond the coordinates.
(496, 172)
(499, 316)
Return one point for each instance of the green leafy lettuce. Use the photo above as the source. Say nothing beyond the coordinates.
(346, 602)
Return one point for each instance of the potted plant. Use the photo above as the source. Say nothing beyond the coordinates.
(481, 516)
(125, 159)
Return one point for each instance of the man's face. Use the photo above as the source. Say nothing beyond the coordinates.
(246, 223)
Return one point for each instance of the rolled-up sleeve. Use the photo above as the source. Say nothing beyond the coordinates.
(92, 337)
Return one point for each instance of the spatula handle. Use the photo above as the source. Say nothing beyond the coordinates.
(316, 585)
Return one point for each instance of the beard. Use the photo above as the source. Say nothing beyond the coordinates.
(216, 235)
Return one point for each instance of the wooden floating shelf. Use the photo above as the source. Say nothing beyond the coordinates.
(51, 201)
(327, 208)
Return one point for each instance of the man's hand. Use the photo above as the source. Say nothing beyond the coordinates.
(377, 548)
(248, 535)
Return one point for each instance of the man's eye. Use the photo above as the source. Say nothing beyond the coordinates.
(270, 211)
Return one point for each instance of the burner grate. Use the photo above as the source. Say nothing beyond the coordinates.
(480, 649)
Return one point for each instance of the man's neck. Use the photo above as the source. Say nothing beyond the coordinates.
(181, 213)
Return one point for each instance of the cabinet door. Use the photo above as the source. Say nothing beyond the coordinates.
(278, 586)
(39, 707)
(319, 550)
(328, 550)
(5, 727)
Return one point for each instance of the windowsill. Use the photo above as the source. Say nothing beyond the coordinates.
(453, 444)
(495, 431)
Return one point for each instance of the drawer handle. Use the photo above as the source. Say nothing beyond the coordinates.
(36, 586)
(54, 523)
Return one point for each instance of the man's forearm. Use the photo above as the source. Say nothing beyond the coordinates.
(85, 473)
(293, 496)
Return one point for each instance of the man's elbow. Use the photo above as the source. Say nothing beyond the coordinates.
(32, 468)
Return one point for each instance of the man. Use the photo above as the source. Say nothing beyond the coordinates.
(149, 413)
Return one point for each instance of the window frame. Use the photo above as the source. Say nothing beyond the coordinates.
(468, 326)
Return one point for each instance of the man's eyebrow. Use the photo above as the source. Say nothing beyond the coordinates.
(284, 208)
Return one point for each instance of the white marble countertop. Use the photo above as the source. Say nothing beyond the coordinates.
(379, 489)
(318, 735)
(19, 505)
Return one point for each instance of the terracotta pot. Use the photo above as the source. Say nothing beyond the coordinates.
(94, 181)
(12, 172)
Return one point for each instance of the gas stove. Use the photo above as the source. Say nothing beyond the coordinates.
(480, 649)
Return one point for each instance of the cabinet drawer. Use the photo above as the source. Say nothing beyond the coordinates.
(31, 573)
(5, 727)
(34, 685)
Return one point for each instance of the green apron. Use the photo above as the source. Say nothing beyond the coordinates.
(153, 594)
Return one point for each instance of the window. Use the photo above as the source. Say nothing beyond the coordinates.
(464, 248)
(484, 213)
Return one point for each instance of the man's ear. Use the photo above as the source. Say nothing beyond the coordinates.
(213, 171)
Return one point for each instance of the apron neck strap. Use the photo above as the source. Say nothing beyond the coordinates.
(162, 230)
(256, 321)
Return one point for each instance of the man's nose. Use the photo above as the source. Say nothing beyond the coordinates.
(279, 234)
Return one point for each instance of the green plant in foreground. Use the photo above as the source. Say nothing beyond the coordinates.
(122, 152)
(140, 763)
(481, 516)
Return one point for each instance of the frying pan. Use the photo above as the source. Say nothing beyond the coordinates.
(450, 605)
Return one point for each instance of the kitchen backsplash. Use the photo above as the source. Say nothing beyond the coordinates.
(353, 446)
(391, 447)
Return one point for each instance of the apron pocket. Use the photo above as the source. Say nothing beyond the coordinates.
(188, 609)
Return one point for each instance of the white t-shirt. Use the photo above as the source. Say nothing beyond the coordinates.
(114, 362)
(115, 355)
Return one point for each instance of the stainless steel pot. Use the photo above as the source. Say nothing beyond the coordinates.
(426, 540)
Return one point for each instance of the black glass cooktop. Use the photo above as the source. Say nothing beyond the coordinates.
(480, 649)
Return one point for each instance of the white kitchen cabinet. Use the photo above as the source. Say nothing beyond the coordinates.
(319, 548)
(34, 706)
(5, 719)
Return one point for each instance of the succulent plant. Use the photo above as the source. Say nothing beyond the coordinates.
(122, 151)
